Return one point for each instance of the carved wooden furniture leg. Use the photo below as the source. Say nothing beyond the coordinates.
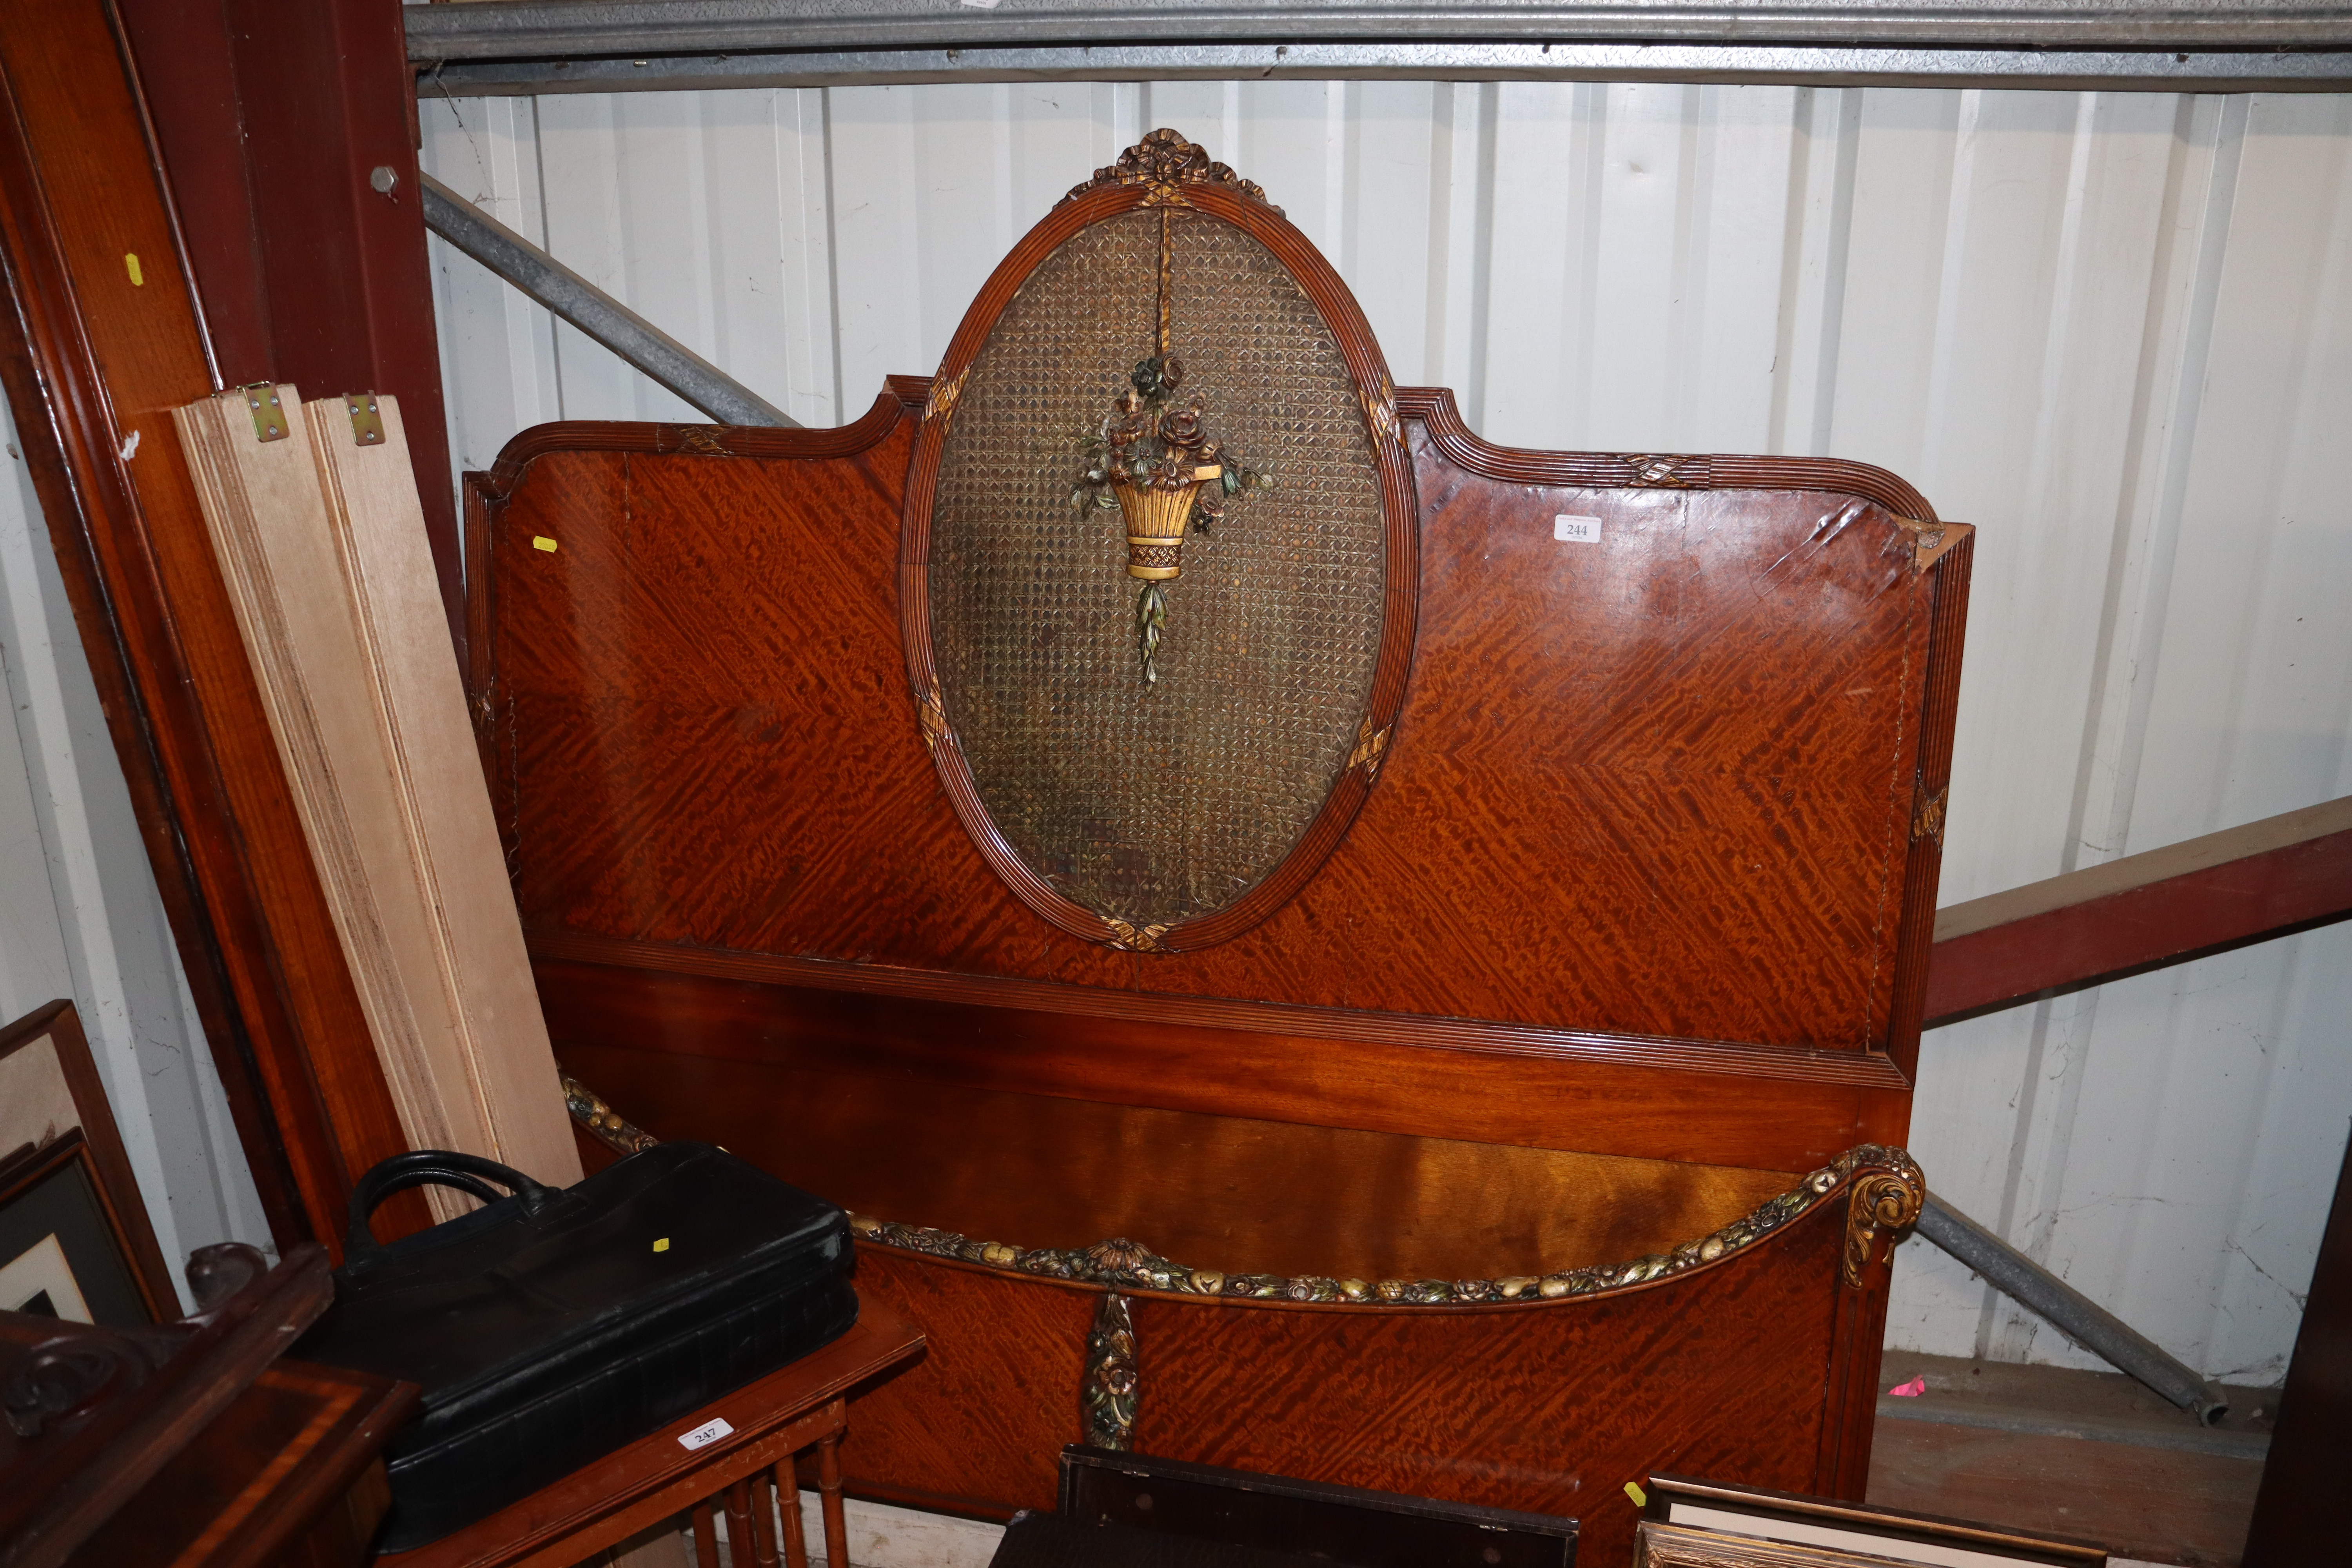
(828, 1486)
(706, 1534)
(788, 1508)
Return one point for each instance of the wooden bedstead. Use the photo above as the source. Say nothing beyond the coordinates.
(1488, 956)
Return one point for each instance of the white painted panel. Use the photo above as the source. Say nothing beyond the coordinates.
(80, 914)
(2112, 329)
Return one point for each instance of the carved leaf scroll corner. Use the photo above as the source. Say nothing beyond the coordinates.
(1882, 1201)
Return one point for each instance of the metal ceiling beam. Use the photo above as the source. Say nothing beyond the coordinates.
(660, 356)
(606, 46)
(2109, 70)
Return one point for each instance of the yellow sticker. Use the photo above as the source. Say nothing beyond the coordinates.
(131, 264)
(541, 541)
(1641, 1499)
(662, 1246)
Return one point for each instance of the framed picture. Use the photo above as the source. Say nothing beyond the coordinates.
(1691, 1523)
(75, 1243)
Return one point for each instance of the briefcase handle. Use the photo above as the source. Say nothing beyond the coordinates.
(431, 1168)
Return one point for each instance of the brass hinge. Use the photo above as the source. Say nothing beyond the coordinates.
(367, 420)
(269, 418)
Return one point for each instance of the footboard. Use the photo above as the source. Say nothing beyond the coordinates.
(1731, 1355)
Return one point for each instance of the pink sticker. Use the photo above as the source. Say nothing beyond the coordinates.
(1911, 1390)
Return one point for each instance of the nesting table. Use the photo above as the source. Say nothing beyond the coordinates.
(726, 1455)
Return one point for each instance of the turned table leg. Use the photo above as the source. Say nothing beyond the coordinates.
(828, 1488)
(706, 1534)
(788, 1508)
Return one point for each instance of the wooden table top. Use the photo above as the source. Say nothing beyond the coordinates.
(778, 1414)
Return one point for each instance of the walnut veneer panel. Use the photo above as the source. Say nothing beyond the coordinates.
(978, 1423)
(1756, 1369)
(1550, 1407)
(1658, 784)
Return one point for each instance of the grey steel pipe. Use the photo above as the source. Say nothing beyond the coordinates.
(647, 347)
(2074, 1315)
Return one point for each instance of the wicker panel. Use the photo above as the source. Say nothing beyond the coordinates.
(1157, 804)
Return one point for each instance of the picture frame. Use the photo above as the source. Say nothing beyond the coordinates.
(75, 1240)
(1691, 1523)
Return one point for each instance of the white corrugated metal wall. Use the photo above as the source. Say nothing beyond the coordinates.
(79, 913)
(2113, 329)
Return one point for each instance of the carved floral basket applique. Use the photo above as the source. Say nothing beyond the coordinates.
(1153, 461)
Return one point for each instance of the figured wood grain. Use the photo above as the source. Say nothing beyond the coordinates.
(1234, 1194)
(92, 361)
(1662, 787)
(1550, 1407)
(977, 1424)
(327, 601)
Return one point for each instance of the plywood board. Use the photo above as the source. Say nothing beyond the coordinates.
(325, 563)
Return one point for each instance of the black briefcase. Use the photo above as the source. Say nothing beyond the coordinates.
(557, 1324)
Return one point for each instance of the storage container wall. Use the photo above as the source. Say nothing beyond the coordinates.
(2115, 329)
(80, 917)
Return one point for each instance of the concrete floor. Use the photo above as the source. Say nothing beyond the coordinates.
(2083, 1454)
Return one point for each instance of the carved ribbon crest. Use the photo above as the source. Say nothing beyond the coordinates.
(1167, 162)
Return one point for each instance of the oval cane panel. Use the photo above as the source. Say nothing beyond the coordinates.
(1156, 802)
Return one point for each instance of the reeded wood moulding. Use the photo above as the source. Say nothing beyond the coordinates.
(1164, 171)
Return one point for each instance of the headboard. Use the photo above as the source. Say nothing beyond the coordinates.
(1463, 852)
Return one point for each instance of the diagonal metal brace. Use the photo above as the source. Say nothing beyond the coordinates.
(2074, 1315)
(644, 345)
